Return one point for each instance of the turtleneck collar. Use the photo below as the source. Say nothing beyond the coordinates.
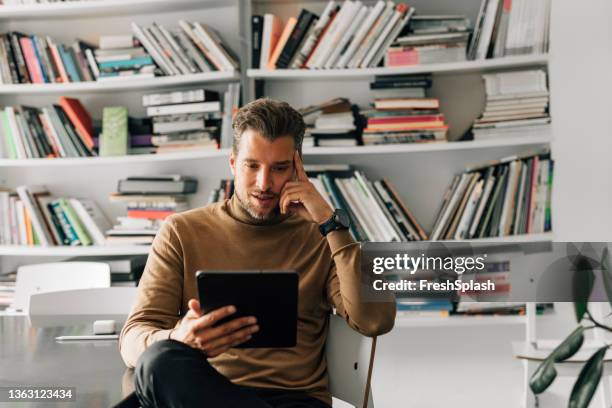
(237, 212)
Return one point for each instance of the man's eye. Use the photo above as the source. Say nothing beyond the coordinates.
(251, 165)
(283, 168)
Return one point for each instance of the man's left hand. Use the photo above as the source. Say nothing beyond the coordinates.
(301, 196)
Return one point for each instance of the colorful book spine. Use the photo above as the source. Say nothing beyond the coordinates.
(75, 223)
(65, 223)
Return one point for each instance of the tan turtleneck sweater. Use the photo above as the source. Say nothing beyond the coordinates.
(222, 236)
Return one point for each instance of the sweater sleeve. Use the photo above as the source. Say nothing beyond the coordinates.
(344, 289)
(158, 301)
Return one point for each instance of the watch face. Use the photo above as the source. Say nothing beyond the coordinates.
(342, 218)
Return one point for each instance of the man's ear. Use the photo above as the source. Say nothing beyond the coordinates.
(232, 163)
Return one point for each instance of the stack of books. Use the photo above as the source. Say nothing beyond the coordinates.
(121, 55)
(331, 123)
(126, 270)
(32, 216)
(510, 196)
(60, 130)
(401, 113)
(431, 39)
(510, 28)
(184, 120)
(516, 105)
(35, 59)
(376, 210)
(149, 200)
(346, 35)
(193, 48)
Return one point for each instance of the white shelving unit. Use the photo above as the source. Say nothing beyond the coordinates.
(97, 177)
(404, 321)
(421, 172)
(121, 86)
(367, 73)
(307, 151)
(80, 9)
(71, 251)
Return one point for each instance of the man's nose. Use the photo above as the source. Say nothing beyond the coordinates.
(264, 181)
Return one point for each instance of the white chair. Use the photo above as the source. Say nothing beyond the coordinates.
(350, 358)
(93, 301)
(57, 276)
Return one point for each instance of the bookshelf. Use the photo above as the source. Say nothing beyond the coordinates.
(68, 251)
(404, 321)
(96, 8)
(38, 251)
(421, 172)
(368, 73)
(121, 86)
(97, 177)
(308, 151)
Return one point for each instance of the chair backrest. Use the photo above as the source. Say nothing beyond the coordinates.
(57, 276)
(350, 356)
(92, 301)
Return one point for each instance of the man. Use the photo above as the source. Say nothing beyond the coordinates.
(272, 222)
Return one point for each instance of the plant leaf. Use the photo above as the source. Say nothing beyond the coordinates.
(587, 381)
(569, 346)
(606, 273)
(543, 376)
(583, 285)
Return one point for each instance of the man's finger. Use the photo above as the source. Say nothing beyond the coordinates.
(286, 200)
(299, 167)
(209, 319)
(231, 338)
(225, 329)
(221, 350)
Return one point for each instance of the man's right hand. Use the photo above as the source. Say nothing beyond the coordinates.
(196, 329)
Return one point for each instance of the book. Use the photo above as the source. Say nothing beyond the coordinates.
(272, 30)
(79, 117)
(92, 217)
(195, 107)
(114, 137)
(314, 35)
(176, 97)
(282, 40)
(148, 186)
(296, 38)
(256, 40)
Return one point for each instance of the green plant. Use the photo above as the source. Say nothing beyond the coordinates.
(590, 375)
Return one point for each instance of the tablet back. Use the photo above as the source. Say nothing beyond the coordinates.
(270, 296)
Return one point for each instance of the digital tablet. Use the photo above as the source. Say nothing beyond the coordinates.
(270, 296)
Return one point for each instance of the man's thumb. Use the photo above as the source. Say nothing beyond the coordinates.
(194, 306)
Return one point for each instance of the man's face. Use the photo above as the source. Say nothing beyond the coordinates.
(261, 168)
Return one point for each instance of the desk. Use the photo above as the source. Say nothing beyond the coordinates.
(30, 356)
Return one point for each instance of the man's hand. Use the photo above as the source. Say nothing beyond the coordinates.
(301, 196)
(197, 331)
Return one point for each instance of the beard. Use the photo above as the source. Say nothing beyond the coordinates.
(246, 205)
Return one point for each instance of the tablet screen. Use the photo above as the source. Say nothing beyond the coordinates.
(269, 296)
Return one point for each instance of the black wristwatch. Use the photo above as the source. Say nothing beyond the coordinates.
(339, 221)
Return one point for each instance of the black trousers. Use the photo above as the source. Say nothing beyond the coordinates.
(171, 374)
